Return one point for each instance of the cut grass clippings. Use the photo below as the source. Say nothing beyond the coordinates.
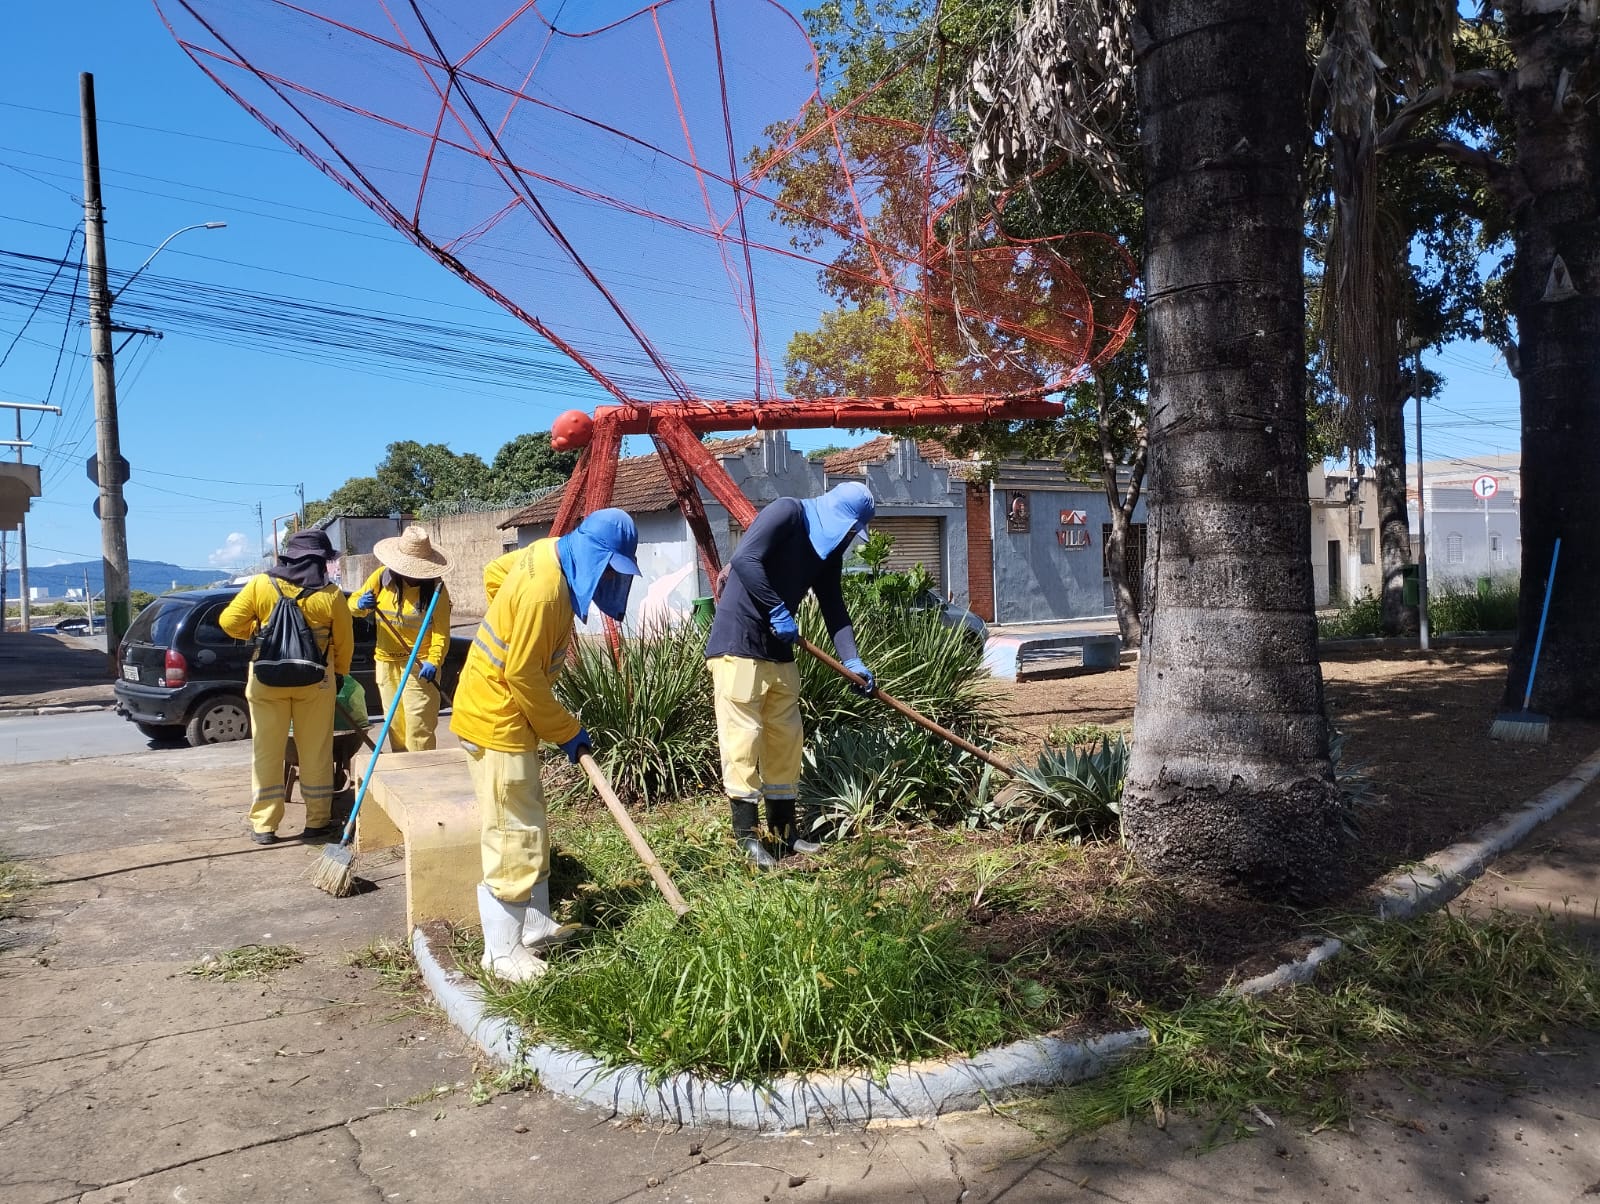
(246, 962)
(1432, 994)
(15, 880)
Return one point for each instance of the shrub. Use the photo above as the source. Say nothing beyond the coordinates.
(1357, 619)
(649, 709)
(1459, 606)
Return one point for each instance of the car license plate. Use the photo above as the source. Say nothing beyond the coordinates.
(129, 673)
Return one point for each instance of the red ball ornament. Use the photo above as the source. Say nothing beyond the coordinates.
(572, 431)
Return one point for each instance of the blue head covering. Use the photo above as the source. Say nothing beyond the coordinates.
(840, 514)
(605, 539)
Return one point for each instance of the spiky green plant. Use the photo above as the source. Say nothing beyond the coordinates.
(1072, 793)
(648, 707)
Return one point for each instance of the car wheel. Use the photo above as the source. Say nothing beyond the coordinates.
(161, 731)
(218, 719)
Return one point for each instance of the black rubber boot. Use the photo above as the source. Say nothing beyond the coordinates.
(744, 834)
(781, 823)
(812, 831)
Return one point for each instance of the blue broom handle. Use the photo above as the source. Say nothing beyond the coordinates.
(1538, 643)
(388, 718)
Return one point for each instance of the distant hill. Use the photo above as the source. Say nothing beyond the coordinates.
(153, 576)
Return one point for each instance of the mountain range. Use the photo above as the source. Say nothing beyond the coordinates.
(153, 576)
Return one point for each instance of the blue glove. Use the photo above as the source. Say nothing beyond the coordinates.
(859, 668)
(428, 671)
(578, 744)
(783, 625)
(367, 601)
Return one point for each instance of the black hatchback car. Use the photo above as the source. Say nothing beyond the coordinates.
(183, 677)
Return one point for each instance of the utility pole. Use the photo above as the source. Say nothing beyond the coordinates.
(301, 490)
(261, 537)
(108, 444)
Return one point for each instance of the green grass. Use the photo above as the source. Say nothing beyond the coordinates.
(246, 962)
(1459, 606)
(15, 881)
(1432, 994)
(848, 968)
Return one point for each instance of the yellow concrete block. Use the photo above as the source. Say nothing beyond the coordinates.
(424, 801)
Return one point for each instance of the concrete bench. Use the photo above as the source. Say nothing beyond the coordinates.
(1009, 656)
(424, 801)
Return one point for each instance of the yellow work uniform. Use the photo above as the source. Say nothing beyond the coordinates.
(308, 708)
(505, 705)
(758, 726)
(399, 610)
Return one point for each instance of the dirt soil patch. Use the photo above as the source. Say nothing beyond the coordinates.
(1415, 725)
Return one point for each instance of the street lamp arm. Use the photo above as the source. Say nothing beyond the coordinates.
(159, 247)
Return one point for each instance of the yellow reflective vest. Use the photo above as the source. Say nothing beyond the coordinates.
(400, 610)
(505, 699)
(327, 614)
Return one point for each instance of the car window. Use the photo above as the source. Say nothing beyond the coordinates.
(208, 631)
(158, 622)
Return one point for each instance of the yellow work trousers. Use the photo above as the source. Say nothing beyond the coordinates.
(272, 710)
(758, 726)
(418, 717)
(516, 852)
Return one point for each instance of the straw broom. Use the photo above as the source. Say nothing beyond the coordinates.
(335, 869)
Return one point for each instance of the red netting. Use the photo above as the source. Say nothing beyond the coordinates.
(659, 191)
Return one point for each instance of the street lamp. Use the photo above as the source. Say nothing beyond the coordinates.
(108, 450)
(162, 246)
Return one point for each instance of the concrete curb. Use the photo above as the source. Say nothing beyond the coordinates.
(930, 1089)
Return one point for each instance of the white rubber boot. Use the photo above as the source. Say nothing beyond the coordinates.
(539, 928)
(503, 954)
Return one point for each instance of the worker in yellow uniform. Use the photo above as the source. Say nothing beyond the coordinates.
(399, 593)
(505, 705)
(300, 575)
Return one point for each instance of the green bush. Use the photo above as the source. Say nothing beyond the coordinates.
(764, 976)
(1357, 619)
(1458, 606)
(649, 710)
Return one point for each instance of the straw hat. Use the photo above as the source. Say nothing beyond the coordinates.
(412, 554)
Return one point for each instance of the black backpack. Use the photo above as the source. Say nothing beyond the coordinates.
(288, 654)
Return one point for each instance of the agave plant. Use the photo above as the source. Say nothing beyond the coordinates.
(648, 706)
(1071, 793)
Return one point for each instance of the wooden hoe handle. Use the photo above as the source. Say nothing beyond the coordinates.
(916, 717)
(641, 847)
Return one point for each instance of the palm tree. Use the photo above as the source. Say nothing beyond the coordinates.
(1230, 784)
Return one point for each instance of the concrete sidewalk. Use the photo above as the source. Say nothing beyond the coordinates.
(125, 1078)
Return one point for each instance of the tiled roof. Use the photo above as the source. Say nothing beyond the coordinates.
(853, 461)
(641, 486)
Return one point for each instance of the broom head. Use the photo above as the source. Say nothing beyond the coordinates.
(335, 871)
(1521, 727)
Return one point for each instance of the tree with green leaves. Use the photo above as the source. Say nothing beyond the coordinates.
(528, 463)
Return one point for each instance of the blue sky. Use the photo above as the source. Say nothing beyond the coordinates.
(213, 427)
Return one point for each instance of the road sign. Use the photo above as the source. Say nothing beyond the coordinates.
(93, 465)
(122, 504)
(1485, 487)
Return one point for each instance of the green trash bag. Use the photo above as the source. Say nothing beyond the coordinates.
(352, 698)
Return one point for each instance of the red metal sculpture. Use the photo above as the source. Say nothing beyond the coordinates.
(659, 194)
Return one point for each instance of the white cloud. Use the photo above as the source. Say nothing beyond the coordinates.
(235, 553)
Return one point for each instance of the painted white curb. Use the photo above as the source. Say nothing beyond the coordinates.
(929, 1089)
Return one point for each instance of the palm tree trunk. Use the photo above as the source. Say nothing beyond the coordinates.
(1230, 785)
(1550, 99)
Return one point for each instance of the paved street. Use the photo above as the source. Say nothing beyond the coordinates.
(26, 738)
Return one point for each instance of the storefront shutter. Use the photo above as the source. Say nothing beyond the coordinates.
(917, 540)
